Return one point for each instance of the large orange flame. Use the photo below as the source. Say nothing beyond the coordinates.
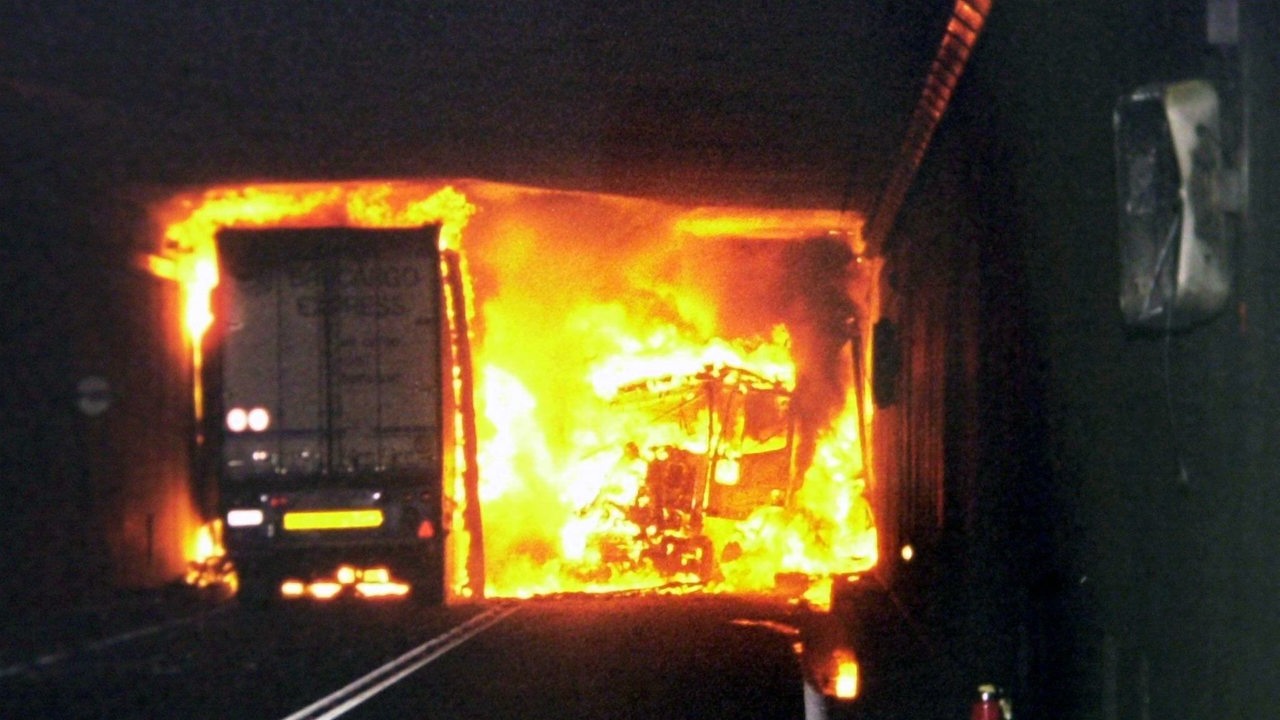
(590, 312)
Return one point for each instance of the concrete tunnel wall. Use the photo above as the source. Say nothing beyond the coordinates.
(1113, 499)
(89, 501)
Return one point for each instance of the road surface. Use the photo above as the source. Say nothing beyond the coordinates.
(632, 656)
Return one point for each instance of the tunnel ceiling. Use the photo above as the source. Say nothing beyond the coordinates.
(764, 103)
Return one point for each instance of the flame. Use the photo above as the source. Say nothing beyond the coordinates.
(373, 583)
(614, 336)
(207, 558)
(207, 542)
(192, 221)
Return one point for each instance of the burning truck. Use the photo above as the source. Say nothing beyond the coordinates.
(328, 411)
(719, 447)
(713, 479)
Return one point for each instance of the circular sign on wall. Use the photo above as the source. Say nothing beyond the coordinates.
(93, 395)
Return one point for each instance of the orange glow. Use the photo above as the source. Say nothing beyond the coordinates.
(846, 682)
(208, 541)
(381, 589)
(818, 594)
(370, 583)
(206, 557)
(614, 336)
(324, 590)
(193, 220)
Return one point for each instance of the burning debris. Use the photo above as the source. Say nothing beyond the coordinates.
(209, 566)
(709, 489)
(662, 393)
(716, 446)
(692, 400)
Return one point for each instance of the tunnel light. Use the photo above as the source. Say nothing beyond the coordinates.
(293, 588)
(908, 553)
(244, 517)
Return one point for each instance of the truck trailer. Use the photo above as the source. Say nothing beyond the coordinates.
(329, 411)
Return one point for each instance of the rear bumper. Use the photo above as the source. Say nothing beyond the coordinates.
(402, 556)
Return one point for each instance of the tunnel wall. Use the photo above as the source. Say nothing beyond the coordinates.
(138, 452)
(89, 503)
(960, 452)
(1130, 474)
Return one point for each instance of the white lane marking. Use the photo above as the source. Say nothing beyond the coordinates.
(363, 688)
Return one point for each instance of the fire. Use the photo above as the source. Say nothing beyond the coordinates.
(207, 563)
(369, 583)
(663, 393)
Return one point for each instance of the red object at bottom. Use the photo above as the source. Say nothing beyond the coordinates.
(988, 705)
(986, 709)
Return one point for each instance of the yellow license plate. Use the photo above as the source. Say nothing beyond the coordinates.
(333, 520)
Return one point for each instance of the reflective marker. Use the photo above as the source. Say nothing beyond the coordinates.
(333, 520)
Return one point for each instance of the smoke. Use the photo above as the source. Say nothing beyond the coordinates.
(815, 289)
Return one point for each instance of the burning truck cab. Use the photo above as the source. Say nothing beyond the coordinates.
(718, 449)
